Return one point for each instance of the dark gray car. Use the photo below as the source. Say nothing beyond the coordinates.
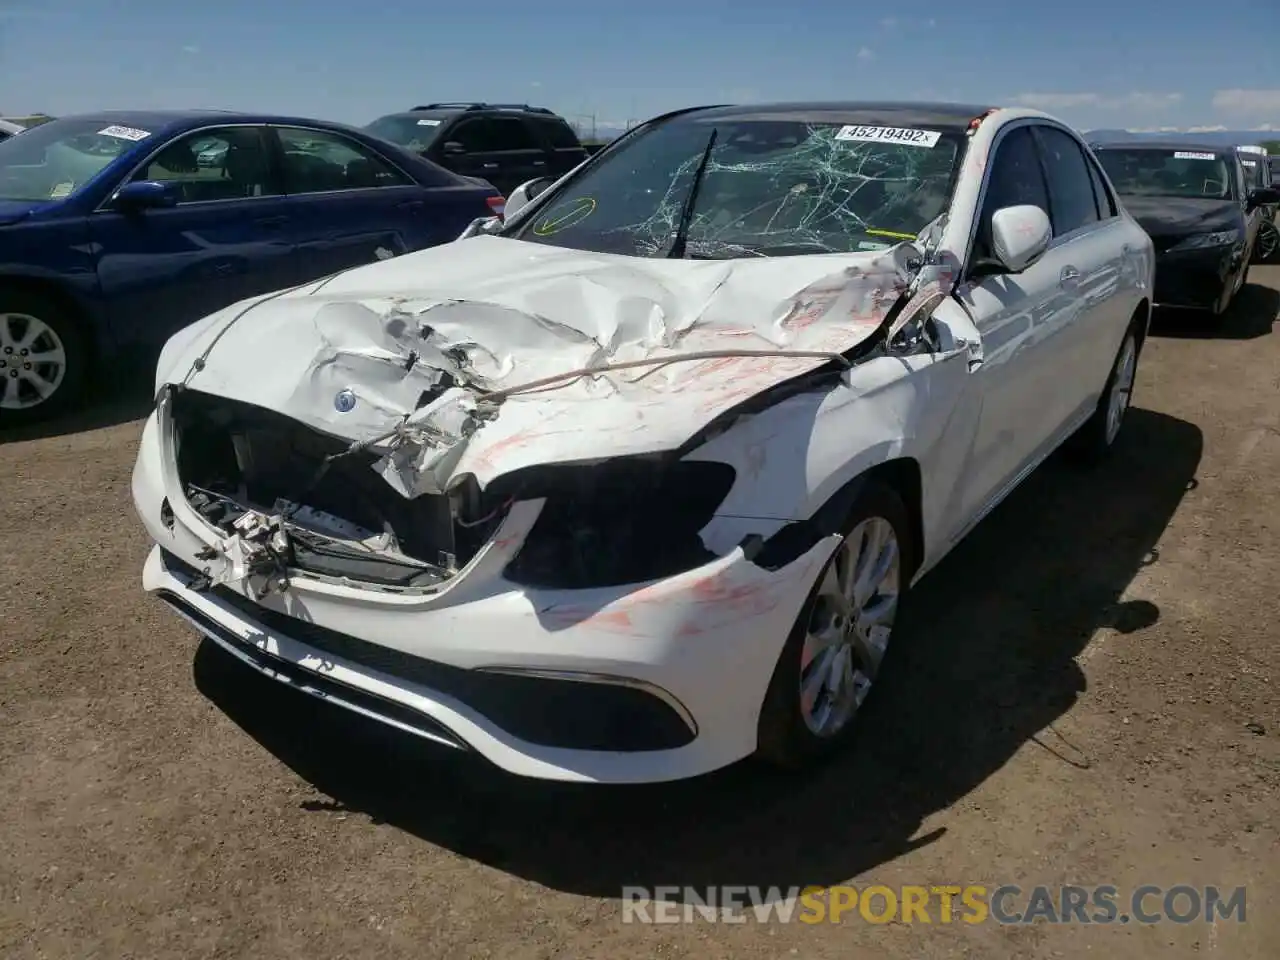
(505, 144)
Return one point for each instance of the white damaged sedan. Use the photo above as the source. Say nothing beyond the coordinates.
(632, 486)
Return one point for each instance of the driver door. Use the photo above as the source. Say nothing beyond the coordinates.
(227, 238)
(501, 150)
(1016, 315)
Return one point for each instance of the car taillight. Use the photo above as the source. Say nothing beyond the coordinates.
(497, 205)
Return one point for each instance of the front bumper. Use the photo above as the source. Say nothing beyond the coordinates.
(1197, 279)
(648, 682)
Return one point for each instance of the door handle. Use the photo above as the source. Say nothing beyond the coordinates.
(539, 163)
(1069, 275)
(272, 221)
(490, 166)
(411, 205)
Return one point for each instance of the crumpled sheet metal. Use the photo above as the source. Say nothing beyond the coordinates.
(491, 313)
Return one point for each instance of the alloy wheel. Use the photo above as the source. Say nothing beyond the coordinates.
(1121, 387)
(849, 627)
(33, 361)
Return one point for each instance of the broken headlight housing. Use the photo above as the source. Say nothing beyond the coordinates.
(619, 522)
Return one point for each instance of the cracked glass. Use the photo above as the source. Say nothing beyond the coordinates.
(771, 188)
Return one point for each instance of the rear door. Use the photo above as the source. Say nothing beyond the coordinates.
(565, 151)
(227, 238)
(499, 149)
(1090, 249)
(351, 204)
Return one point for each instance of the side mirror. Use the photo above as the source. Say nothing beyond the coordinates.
(452, 148)
(1019, 236)
(522, 195)
(1263, 197)
(146, 194)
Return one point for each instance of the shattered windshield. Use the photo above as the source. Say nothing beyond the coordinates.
(770, 188)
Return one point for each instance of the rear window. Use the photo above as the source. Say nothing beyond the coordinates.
(412, 131)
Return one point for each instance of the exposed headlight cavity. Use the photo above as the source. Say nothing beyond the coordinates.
(623, 521)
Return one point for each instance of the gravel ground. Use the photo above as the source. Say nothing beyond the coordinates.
(1085, 691)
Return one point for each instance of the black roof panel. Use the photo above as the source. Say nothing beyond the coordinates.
(947, 116)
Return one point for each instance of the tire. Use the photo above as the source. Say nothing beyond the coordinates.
(55, 336)
(789, 735)
(1268, 243)
(1097, 436)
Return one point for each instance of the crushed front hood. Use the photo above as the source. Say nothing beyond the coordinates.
(417, 342)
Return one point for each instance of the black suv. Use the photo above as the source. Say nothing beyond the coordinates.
(504, 143)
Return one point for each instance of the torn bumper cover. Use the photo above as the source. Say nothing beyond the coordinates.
(468, 518)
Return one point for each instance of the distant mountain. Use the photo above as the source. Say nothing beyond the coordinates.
(1224, 138)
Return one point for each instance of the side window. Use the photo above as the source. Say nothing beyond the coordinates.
(1106, 205)
(558, 134)
(224, 164)
(493, 135)
(1015, 178)
(512, 134)
(317, 161)
(1071, 196)
(477, 136)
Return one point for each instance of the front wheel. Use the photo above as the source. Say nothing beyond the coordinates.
(838, 643)
(1268, 242)
(42, 358)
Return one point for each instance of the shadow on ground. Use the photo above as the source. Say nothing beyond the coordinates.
(983, 663)
(1251, 316)
(124, 395)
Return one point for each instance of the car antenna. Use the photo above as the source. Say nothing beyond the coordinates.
(681, 239)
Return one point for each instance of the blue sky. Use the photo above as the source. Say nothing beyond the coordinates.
(1120, 63)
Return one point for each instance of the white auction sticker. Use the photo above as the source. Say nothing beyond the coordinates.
(903, 135)
(124, 133)
(428, 123)
(1186, 155)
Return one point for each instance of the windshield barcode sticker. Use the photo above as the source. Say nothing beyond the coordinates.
(124, 133)
(428, 123)
(903, 135)
(1187, 155)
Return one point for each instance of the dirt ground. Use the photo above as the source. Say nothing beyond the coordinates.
(1084, 692)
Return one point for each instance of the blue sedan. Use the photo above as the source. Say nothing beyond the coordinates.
(117, 229)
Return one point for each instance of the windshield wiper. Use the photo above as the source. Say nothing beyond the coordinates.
(681, 239)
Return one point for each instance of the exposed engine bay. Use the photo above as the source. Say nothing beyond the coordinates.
(290, 498)
(295, 497)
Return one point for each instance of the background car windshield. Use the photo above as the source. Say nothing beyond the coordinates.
(1252, 174)
(1167, 173)
(54, 160)
(413, 133)
(771, 188)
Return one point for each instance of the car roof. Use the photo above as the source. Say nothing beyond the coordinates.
(1190, 146)
(536, 113)
(945, 116)
(156, 121)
